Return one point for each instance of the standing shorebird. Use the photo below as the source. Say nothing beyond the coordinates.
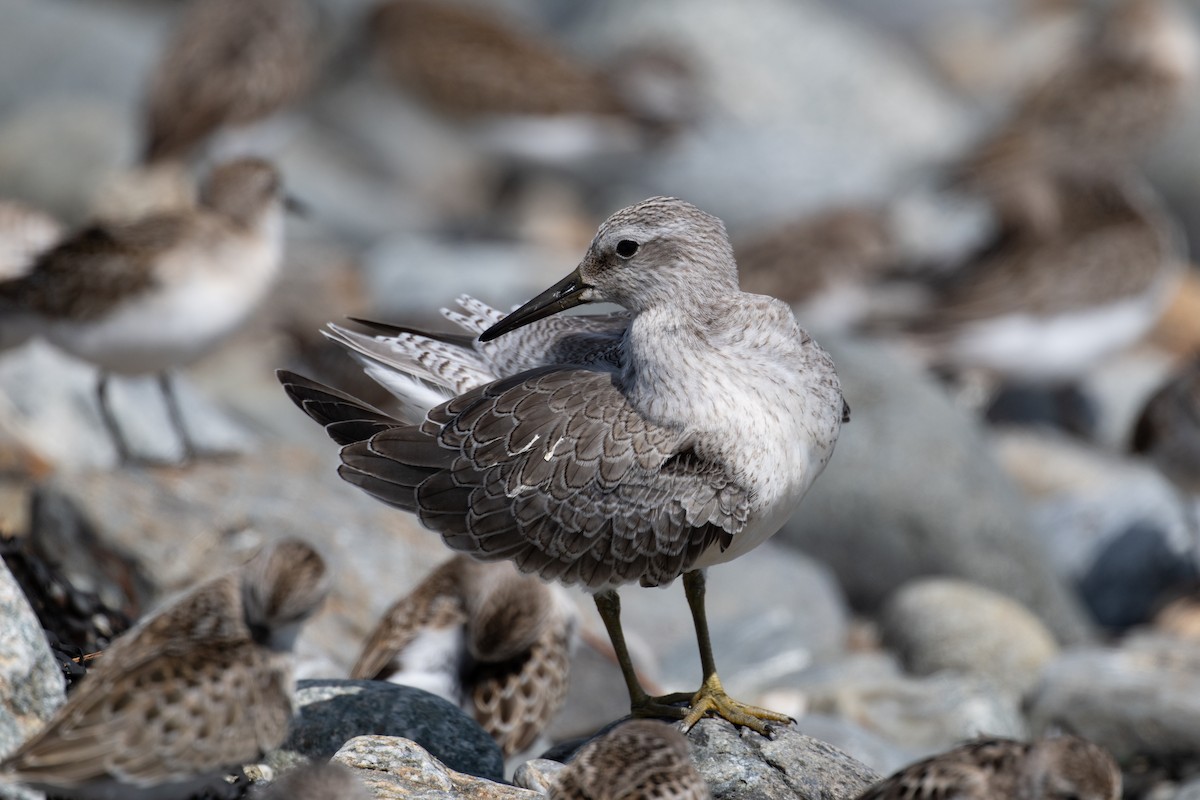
(229, 63)
(489, 639)
(1059, 768)
(160, 292)
(638, 759)
(605, 450)
(200, 688)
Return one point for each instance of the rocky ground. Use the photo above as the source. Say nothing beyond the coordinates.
(943, 579)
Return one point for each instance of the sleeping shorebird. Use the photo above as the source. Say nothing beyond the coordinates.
(489, 639)
(146, 296)
(638, 759)
(228, 63)
(526, 96)
(1059, 768)
(1047, 309)
(603, 450)
(193, 692)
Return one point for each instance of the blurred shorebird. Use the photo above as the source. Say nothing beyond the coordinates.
(229, 63)
(1060, 768)
(1113, 95)
(1168, 430)
(638, 759)
(160, 292)
(1047, 309)
(489, 639)
(603, 450)
(827, 266)
(198, 689)
(528, 97)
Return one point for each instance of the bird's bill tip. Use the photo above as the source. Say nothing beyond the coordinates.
(565, 294)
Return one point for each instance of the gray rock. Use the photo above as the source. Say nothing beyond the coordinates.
(795, 97)
(946, 624)
(1140, 700)
(741, 764)
(537, 774)
(1114, 527)
(922, 715)
(870, 748)
(891, 505)
(398, 769)
(31, 688)
(329, 713)
(328, 781)
(54, 410)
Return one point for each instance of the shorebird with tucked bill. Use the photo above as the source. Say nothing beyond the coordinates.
(159, 292)
(193, 692)
(1045, 309)
(639, 760)
(638, 446)
(1057, 768)
(482, 635)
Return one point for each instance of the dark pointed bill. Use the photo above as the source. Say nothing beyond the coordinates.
(565, 294)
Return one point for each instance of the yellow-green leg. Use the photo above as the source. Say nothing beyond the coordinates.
(712, 696)
(640, 703)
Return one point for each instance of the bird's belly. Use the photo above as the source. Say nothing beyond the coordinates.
(160, 330)
(1043, 348)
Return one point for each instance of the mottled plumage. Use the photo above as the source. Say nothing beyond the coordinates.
(228, 63)
(493, 641)
(1168, 430)
(159, 292)
(676, 438)
(202, 686)
(638, 760)
(1060, 768)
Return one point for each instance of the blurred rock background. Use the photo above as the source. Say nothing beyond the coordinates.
(944, 578)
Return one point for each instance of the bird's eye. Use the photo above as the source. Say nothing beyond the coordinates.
(626, 248)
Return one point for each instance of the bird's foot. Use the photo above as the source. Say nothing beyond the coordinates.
(667, 706)
(713, 698)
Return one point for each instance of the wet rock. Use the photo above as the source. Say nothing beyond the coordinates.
(889, 507)
(329, 713)
(1141, 700)
(31, 688)
(394, 768)
(939, 624)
